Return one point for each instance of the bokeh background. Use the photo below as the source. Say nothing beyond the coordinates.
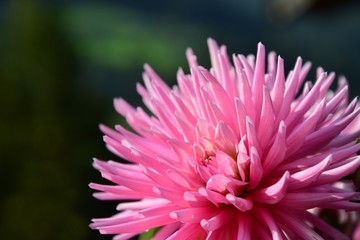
(62, 63)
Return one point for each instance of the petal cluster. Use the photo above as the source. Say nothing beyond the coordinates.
(235, 152)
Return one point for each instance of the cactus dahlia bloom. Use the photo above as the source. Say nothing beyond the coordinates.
(234, 152)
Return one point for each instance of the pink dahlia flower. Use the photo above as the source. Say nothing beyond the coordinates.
(234, 152)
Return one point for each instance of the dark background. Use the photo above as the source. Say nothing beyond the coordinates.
(62, 63)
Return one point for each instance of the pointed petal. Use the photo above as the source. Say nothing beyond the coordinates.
(266, 124)
(274, 193)
(307, 200)
(218, 220)
(225, 138)
(342, 170)
(323, 226)
(259, 80)
(194, 215)
(187, 231)
(226, 164)
(277, 151)
(253, 140)
(243, 204)
(264, 214)
(277, 92)
(244, 226)
(306, 177)
(256, 170)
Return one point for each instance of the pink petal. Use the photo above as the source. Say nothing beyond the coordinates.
(219, 220)
(197, 82)
(191, 58)
(289, 92)
(214, 197)
(225, 138)
(258, 81)
(226, 164)
(144, 203)
(234, 186)
(306, 177)
(243, 160)
(166, 231)
(195, 199)
(194, 215)
(241, 116)
(124, 236)
(137, 226)
(307, 200)
(297, 137)
(277, 151)
(244, 226)
(309, 100)
(323, 226)
(274, 193)
(264, 214)
(245, 92)
(277, 92)
(214, 50)
(256, 170)
(243, 204)
(253, 140)
(216, 183)
(187, 231)
(266, 124)
(158, 210)
(338, 172)
(247, 67)
(225, 68)
(295, 224)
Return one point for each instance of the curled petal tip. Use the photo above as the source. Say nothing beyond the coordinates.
(230, 197)
(173, 215)
(204, 224)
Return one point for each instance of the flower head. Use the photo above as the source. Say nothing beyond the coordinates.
(234, 152)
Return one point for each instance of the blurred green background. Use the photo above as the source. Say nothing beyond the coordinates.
(62, 63)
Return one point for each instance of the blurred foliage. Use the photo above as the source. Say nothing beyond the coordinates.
(45, 124)
(148, 234)
(125, 45)
(62, 63)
